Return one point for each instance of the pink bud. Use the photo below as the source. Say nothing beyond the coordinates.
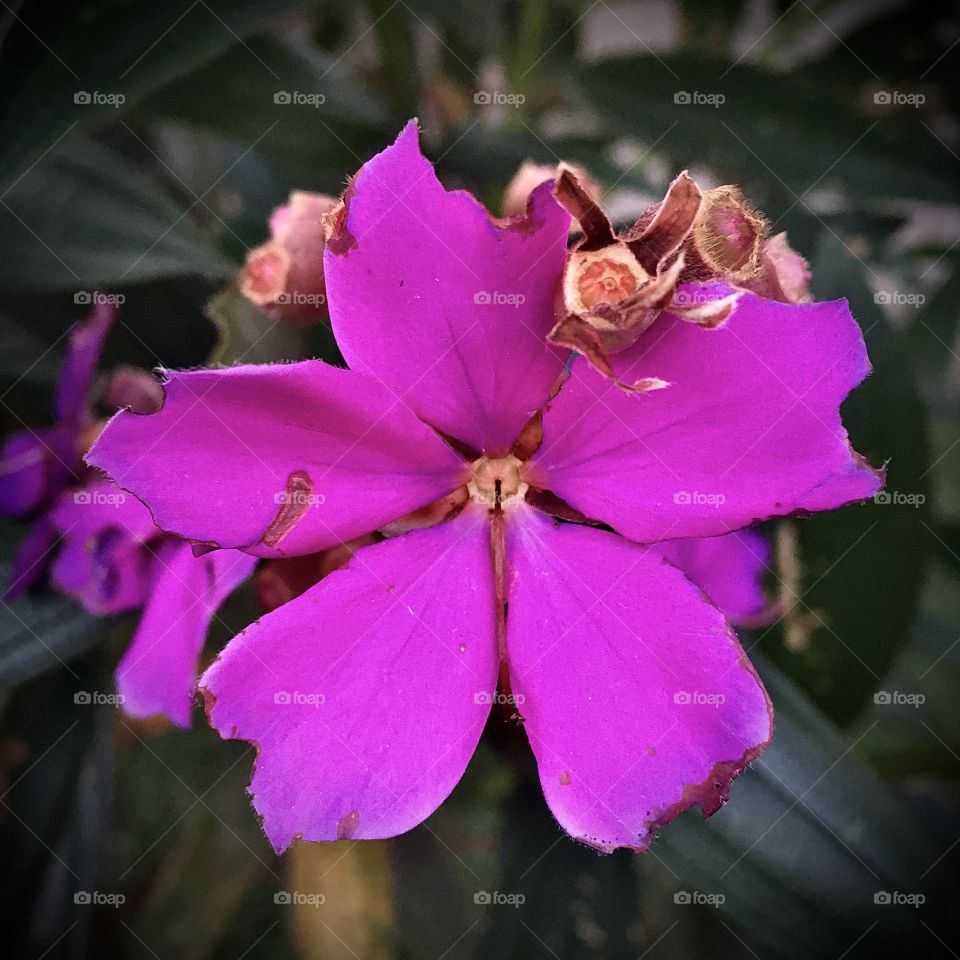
(784, 275)
(285, 274)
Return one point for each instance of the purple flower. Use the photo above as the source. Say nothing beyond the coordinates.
(105, 549)
(367, 694)
(115, 559)
(37, 465)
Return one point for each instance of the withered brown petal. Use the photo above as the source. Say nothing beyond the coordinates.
(574, 198)
(661, 231)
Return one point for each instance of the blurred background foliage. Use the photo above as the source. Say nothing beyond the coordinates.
(839, 119)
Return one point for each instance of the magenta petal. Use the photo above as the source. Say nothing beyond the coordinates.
(366, 696)
(25, 468)
(280, 460)
(443, 304)
(80, 364)
(102, 562)
(637, 698)
(158, 673)
(728, 569)
(749, 427)
(32, 557)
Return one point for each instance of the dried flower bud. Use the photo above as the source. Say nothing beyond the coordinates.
(784, 275)
(285, 274)
(727, 238)
(531, 175)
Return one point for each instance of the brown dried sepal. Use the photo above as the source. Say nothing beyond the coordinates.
(577, 334)
(277, 582)
(663, 228)
(429, 516)
(531, 175)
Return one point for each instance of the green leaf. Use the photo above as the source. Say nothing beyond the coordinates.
(769, 129)
(100, 46)
(336, 125)
(39, 633)
(84, 218)
(809, 837)
(860, 568)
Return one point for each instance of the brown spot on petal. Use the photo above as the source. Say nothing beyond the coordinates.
(347, 827)
(294, 503)
(564, 778)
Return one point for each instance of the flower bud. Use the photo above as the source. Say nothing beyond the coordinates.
(784, 275)
(285, 274)
(727, 238)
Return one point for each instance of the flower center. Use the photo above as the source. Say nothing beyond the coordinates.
(496, 481)
(607, 276)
